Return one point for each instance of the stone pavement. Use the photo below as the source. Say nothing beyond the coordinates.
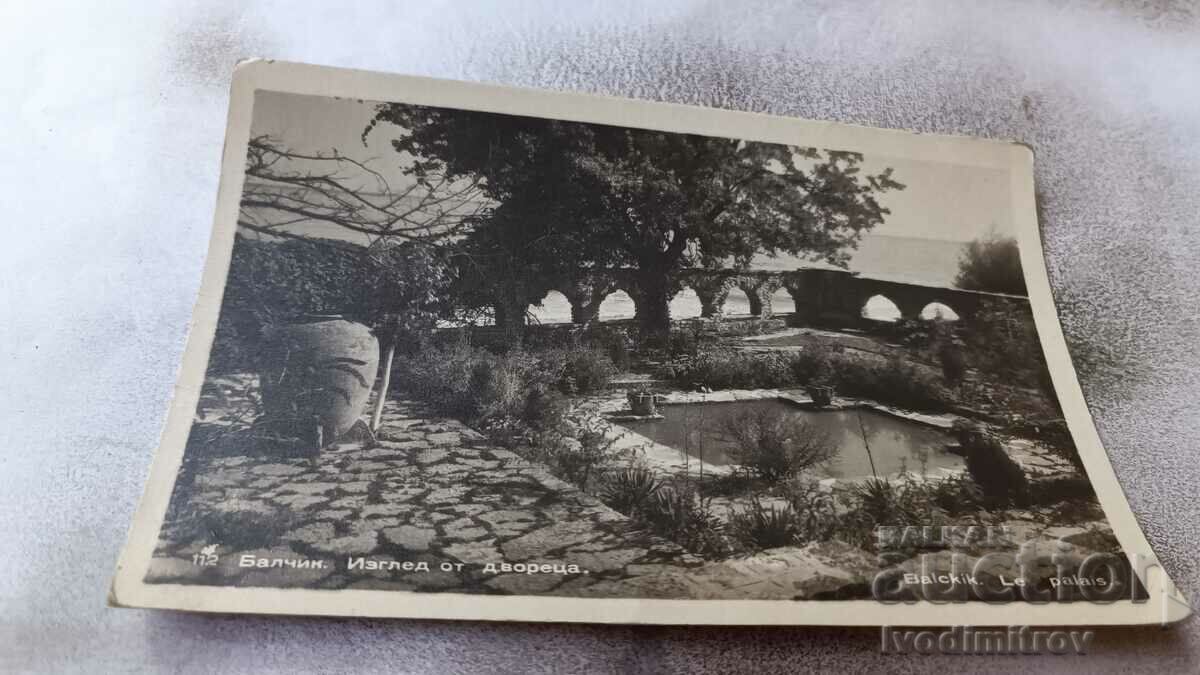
(431, 493)
(432, 506)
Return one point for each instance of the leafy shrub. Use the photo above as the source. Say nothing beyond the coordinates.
(876, 503)
(873, 504)
(757, 527)
(729, 484)
(577, 451)
(677, 512)
(482, 388)
(630, 489)
(747, 327)
(815, 507)
(516, 399)
(398, 289)
(953, 362)
(775, 445)
(999, 477)
(954, 496)
(991, 263)
(732, 369)
(241, 529)
(1060, 488)
(893, 381)
(585, 371)
(614, 343)
(881, 500)
(684, 341)
(1001, 340)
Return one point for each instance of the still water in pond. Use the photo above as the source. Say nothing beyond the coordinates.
(895, 443)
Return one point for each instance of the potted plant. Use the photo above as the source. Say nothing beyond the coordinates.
(643, 402)
(820, 393)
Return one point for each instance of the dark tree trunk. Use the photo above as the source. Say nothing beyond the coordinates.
(586, 293)
(756, 304)
(584, 312)
(653, 301)
(509, 315)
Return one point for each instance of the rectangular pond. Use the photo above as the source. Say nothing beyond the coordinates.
(895, 443)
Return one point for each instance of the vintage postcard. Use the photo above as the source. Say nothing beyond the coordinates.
(473, 352)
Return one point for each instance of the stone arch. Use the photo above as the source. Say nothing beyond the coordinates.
(712, 291)
(806, 306)
(585, 293)
(938, 310)
(880, 307)
(629, 285)
(555, 307)
(759, 288)
(783, 301)
(738, 302)
(686, 304)
(616, 305)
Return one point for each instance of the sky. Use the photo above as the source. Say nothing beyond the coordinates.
(941, 201)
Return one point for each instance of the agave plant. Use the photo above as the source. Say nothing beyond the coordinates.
(678, 513)
(630, 489)
(878, 498)
(758, 527)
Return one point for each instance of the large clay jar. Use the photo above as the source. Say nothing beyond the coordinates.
(317, 374)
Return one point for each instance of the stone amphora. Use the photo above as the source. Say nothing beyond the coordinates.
(317, 374)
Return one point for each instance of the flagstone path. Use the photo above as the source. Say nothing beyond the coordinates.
(430, 493)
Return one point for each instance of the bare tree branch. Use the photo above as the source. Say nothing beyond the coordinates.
(284, 189)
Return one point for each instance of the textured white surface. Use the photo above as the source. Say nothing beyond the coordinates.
(111, 120)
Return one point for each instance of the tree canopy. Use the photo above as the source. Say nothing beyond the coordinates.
(993, 264)
(593, 195)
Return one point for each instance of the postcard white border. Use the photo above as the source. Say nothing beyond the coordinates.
(1165, 605)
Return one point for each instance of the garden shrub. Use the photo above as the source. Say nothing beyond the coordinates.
(775, 445)
(679, 513)
(893, 381)
(398, 289)
(731, 369)
(876, 503)
(628, 490)
(758, 528)
(955, 495)
(578, 450)
(272, 281)
(613, 342)
(585, 371)
(815, 507)
(517, 399)
(685, 340)
(954, 363)
(999, 477)
(478, 386)
(1044, 491)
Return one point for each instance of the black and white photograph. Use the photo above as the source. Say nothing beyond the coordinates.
(470, 352)
(601, 336)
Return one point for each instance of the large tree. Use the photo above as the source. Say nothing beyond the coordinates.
(992, 263)
(650, 201)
